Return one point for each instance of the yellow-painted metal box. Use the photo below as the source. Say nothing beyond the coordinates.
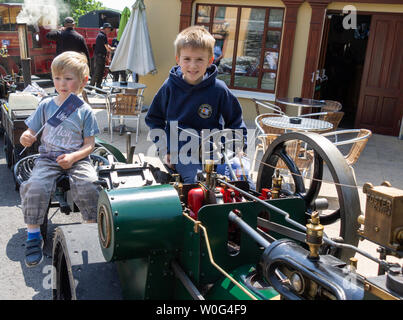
(383, 222)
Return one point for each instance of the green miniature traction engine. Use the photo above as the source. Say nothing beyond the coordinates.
(158, 238)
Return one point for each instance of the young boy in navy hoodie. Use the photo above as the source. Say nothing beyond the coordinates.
(192, 97)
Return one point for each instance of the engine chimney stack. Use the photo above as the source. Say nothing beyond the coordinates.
(25, 59)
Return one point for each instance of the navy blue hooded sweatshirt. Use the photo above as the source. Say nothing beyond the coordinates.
(206, 105)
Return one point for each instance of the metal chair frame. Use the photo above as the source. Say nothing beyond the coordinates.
(100, 93)
(268, 105)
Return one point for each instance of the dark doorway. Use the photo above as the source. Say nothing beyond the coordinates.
(344, 64)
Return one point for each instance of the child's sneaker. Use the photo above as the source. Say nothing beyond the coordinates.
(33, 252)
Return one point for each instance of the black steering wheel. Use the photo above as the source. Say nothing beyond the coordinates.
(23, 168)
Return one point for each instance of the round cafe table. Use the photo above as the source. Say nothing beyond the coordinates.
(124, 86)
(306, 124)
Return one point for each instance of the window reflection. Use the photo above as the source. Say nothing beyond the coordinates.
(203, 14)
(269, 80)
(276, 18)
(249, 47)
(270, 60)
(254, 39)
(224, 29)
(273, 39)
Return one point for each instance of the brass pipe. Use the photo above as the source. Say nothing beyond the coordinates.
(199, 225)
(220, 269)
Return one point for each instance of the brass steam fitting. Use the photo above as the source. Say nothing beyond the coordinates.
(314, 236)
(353, 263)
(209, 166)
(209, 169)
(177, 184)
(361, 219)
(277, 180)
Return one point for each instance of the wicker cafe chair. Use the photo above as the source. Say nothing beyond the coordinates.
(358, 143)
(332, 106)
(333, 117)
(267, 134)
(126, 106)
(302, 158)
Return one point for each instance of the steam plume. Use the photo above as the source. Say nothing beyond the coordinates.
(42, 12)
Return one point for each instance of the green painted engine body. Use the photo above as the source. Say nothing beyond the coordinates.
(141, 219)
(153, 232)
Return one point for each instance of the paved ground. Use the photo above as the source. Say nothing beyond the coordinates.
(381, 160)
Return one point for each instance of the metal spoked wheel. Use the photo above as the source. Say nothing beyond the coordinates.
(323, 152)
(23, 169)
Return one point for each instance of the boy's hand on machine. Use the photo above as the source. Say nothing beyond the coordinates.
(27, 139)
(66, 161)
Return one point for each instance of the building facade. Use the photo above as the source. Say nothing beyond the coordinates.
(349, 51)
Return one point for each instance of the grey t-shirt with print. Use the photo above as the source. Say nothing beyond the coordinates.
(67, 137)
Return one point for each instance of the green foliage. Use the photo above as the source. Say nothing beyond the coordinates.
(81, 7)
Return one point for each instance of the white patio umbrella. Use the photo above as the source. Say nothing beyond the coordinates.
(134, 50)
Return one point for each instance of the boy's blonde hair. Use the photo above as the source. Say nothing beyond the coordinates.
(196, 37)
(71, 61)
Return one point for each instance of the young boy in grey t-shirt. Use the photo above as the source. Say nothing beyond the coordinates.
(64, 149)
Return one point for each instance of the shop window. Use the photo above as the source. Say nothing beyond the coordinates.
(248, 39)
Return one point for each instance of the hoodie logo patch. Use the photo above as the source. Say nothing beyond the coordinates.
(205, 111)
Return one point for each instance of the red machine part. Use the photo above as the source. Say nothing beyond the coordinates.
(196, 198)
(266, 194)
(195, 201)
(230, 195)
